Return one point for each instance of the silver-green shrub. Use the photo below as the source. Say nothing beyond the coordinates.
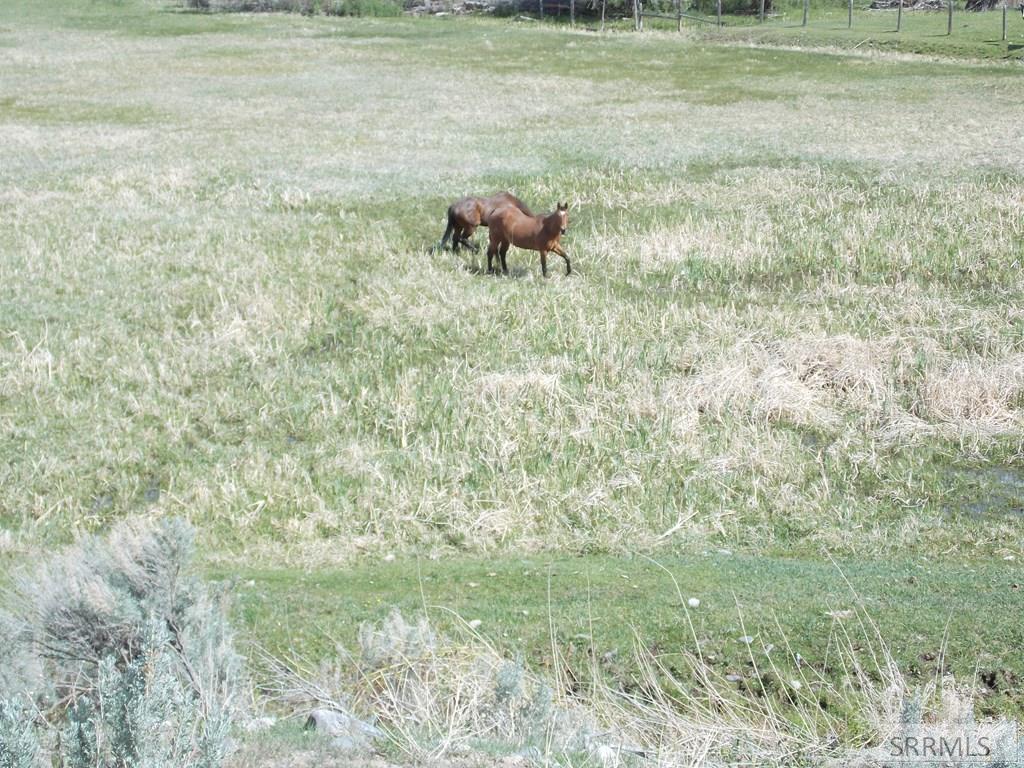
(19, 744)
(79, 744)
(127, 649)
(147, 717)
(395, 641)
(20, 669)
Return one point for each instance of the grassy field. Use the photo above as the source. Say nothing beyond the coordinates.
(795, 327)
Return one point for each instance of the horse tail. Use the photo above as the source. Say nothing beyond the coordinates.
(449, 229)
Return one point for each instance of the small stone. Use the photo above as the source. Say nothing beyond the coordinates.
(348, 733)
(475, 624)
(733, 678)
(795, 685)
(389, 557)
(746, 639)
(693, 602)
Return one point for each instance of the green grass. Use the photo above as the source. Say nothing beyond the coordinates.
(934, 618)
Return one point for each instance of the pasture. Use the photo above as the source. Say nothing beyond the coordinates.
(792, 335)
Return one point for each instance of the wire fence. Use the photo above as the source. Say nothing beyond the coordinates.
(714, 13)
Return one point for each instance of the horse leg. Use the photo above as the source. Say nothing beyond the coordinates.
(544, 263)
(564, 255)
(491, 251)
(502, 253)
(467, 232)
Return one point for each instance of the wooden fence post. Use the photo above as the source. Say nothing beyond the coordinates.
(899, 15)
(849, 14)
(760, 12)
(718, 11)
(679, 15)
(807, 7)
(1004, 21)
(572, 13)
(604, 4)
(949, 17)
(540, 5)
(636, 15)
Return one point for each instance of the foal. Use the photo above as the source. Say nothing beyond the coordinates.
(511, 226)
(465, 215)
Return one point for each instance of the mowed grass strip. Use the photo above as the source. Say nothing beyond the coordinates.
(934, 619)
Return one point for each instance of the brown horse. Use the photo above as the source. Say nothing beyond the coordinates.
(465, 215)
(510, 226)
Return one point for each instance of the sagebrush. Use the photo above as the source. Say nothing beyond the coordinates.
(118, 654)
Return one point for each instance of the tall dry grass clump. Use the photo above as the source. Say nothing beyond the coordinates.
(891, 388)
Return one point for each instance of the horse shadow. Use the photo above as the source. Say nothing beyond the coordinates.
(476, 268)
(474, 261)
